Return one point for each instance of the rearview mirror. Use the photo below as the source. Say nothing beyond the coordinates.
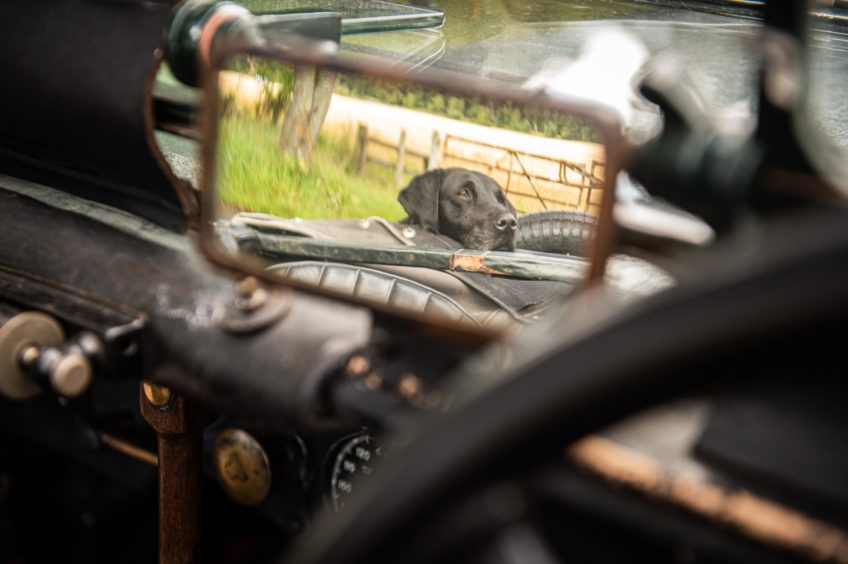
(427, 192)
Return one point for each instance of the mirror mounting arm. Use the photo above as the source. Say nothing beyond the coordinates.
(722, 179)
(197, 26)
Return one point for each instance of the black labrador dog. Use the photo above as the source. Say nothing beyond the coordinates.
(465, 205)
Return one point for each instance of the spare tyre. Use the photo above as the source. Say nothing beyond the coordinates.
(556, 231)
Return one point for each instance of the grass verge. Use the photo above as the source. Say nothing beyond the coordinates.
(254, 176)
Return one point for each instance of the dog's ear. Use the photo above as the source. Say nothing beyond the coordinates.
(420, 199)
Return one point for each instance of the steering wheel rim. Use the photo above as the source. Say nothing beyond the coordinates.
(807, 278)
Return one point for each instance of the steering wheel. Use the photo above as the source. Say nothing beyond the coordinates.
(561, 387)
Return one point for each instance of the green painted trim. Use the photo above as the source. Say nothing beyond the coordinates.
(497, 263)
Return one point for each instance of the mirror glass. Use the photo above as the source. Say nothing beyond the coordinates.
(478, 209)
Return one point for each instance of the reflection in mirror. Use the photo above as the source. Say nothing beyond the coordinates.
(460, 206)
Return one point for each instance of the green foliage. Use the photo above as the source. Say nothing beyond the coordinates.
(535, 121)
(276, 83)
(254, 176)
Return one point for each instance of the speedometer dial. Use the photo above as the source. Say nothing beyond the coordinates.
(353, 462)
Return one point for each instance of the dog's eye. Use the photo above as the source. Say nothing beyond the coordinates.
(465, 194)
(501, 199)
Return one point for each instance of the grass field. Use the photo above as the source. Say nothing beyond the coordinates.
(254, 176)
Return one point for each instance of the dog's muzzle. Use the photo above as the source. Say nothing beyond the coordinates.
(506, 222)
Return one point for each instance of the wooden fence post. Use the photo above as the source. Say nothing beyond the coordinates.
(432, 161)
(586, 180)
(401, 156)
(361, 147)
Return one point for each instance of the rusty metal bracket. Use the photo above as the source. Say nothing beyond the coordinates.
(255, 307)
(179, 426)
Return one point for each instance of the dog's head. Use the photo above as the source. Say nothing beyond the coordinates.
(465, 205)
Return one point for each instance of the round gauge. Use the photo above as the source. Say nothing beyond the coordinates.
(353, 462)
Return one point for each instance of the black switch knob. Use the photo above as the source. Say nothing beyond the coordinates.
(35, 355)
(66, 370)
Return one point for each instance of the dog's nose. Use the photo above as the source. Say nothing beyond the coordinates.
(506, 222)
